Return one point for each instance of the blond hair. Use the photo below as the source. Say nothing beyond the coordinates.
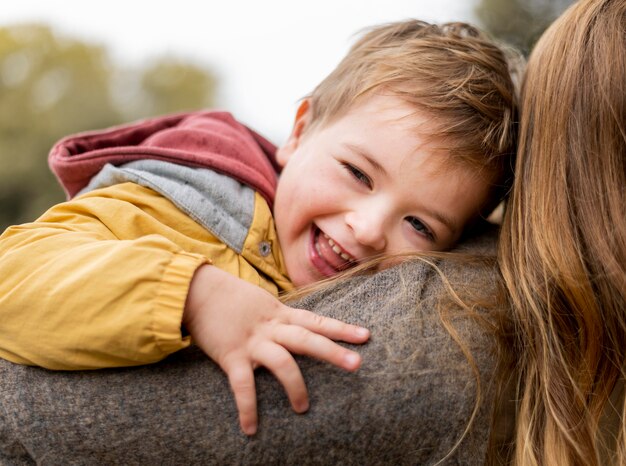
(463, 80)
(563, 246)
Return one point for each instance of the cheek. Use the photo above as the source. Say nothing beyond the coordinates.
(310, 191)
(333, 182)
(320, 186)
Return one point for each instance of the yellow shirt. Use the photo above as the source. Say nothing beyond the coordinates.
(101, 280)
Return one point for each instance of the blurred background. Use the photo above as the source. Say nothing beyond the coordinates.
(70, 65)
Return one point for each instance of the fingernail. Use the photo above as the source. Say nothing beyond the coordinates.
(361, 332)
(352, 360)
(249, 429)
(302, 407)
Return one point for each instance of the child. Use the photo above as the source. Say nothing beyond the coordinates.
(177, 224)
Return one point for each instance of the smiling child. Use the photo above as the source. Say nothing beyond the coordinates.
(368, 184)
(181, 228)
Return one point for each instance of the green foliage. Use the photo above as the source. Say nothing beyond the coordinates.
(519, 22)
(164, 80)
(52, 85)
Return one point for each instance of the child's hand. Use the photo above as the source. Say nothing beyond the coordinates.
(241, 327)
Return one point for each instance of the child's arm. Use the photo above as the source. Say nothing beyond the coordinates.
(100, 281)
(241, 327)
(73, 296)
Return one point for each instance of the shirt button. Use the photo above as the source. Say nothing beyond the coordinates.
(265, 248)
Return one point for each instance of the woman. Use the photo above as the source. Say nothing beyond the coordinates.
(563, 243)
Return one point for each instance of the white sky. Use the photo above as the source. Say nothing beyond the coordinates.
(267, 54)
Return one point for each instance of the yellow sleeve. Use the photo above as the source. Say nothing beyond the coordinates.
(93, 283)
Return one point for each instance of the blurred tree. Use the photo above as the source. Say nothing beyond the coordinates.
(52, 86)
(165, 85)
(172, 85)
(48, 86)
(519, 22)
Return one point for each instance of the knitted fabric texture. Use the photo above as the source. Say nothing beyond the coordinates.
(408, 404)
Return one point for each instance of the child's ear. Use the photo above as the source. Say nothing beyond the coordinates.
(303, 117)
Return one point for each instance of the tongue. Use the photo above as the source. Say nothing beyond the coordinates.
(326, 251)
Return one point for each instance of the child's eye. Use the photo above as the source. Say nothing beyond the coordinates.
(358, 174)
(420, 227)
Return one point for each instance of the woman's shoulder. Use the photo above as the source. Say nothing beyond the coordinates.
(410, 403)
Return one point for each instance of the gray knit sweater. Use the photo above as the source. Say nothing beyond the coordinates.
(408, 404)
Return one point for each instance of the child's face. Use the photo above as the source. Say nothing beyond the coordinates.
(366, 184)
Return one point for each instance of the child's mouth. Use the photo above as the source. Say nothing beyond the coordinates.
(327, 256)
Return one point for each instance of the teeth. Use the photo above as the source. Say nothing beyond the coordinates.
(336, 248)
(317, 248)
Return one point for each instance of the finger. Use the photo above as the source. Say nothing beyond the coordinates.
(241, 379)
(332, 328)
(302, 341)
(281, 363)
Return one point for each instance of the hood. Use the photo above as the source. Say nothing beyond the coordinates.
(205, 139)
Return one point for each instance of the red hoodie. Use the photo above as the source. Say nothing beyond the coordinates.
(205, 139)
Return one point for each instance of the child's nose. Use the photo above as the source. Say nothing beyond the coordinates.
(368, 228)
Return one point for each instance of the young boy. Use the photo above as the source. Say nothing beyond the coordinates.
(175, 232)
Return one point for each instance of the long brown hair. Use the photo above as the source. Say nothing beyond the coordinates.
(562, 252)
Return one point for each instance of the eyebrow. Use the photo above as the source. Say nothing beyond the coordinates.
(367, 156)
